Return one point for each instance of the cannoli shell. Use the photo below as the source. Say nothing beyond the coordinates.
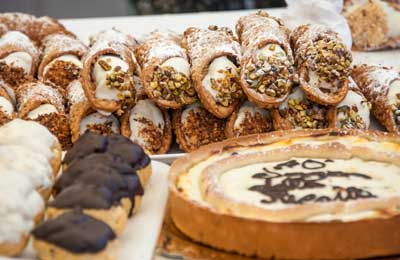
(4, 118)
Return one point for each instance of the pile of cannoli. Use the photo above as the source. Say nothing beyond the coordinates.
(101, 186)
(203, 86)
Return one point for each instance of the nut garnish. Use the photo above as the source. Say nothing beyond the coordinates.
(62, 73)
(227, 87)
(351, 120)
(169, 84)
(254, 124)
(152, 134)
(104, 65)
(305, 114)
(269, 75)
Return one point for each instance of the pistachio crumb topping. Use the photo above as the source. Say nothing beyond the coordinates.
(351, 120)
(305, 114)
(169, 84)
(227, 87)
(269, 75)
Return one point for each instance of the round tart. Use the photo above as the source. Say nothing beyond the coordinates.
(330, 189)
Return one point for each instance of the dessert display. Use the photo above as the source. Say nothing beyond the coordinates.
(7, 110)
(248, 119)
(215, 64)
(314, 186)
(381, 86)
(28, 167)
(374, 24)
(149, 126)
(195, 126)
(267, 73)
(323, 63)
(166, 70)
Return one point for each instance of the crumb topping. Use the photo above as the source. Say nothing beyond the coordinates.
(62, 73)
(101, 129)
(14, 76)
(152, 134)
(254, 124)
(201, 128)
(227, 87)
(169, 84)
(57, 125)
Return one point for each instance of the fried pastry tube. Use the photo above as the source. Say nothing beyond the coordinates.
(165, 70)
(353, 112)
(82, 117)
(195, 126)
(323, 63)
(374, 24)
(7, 109)
(149, 126)
(299, 112)
(267, 73)
(19, 58)
(61, 59)
(107, 72)
(44, 104)
(381, 86)
(248, 119)
(215, 58)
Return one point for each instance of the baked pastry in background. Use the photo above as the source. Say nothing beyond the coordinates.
(248, 119)
(165, 70)
(195, 126)
(323, 63)
(381, 86)
(374, 24)
(149, 126)
(75, 235)
(267, 73)
(215, 64)
(326, 188)
(7, 109)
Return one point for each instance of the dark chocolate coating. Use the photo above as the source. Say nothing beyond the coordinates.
(88, 143)
(75, 232)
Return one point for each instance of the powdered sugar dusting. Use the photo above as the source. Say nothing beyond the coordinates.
(75, 93)
(39, 90)
(63, 43)
(20, 40)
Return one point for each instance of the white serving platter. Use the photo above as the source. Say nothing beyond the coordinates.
(140, 235)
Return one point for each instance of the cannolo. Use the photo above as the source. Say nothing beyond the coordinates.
(82, 117)
(215, 58)
(148, 126)
(374, 24)
(61, 59)
(34, 136)
(19, 58)
(248, 119)
(165, 70)
(323, 63)
(267, 73)
(195, 126)
(75, 236)
(352, 112)
(44, 103)
(381, 87)
(298, 112)
(7, 109)
(33, 166)
(21, 207)
(107, 72)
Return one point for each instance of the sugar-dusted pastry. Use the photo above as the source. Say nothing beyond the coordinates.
(248, 119)
(323, 63)
(195, 126)
(267, 73)
(61, 59)
(165, 70)
(75, 236)
(215, 61)
(45, 103)
(21, 207)
(34, 136)
(381, 87)
(374, 24)
(107, 72)
(31, 165)
(353, 112)
(325, 189)
(149, 126)
(19, 59)
(298, 112)
(82, 117)
(7, 109)
(119, 147)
